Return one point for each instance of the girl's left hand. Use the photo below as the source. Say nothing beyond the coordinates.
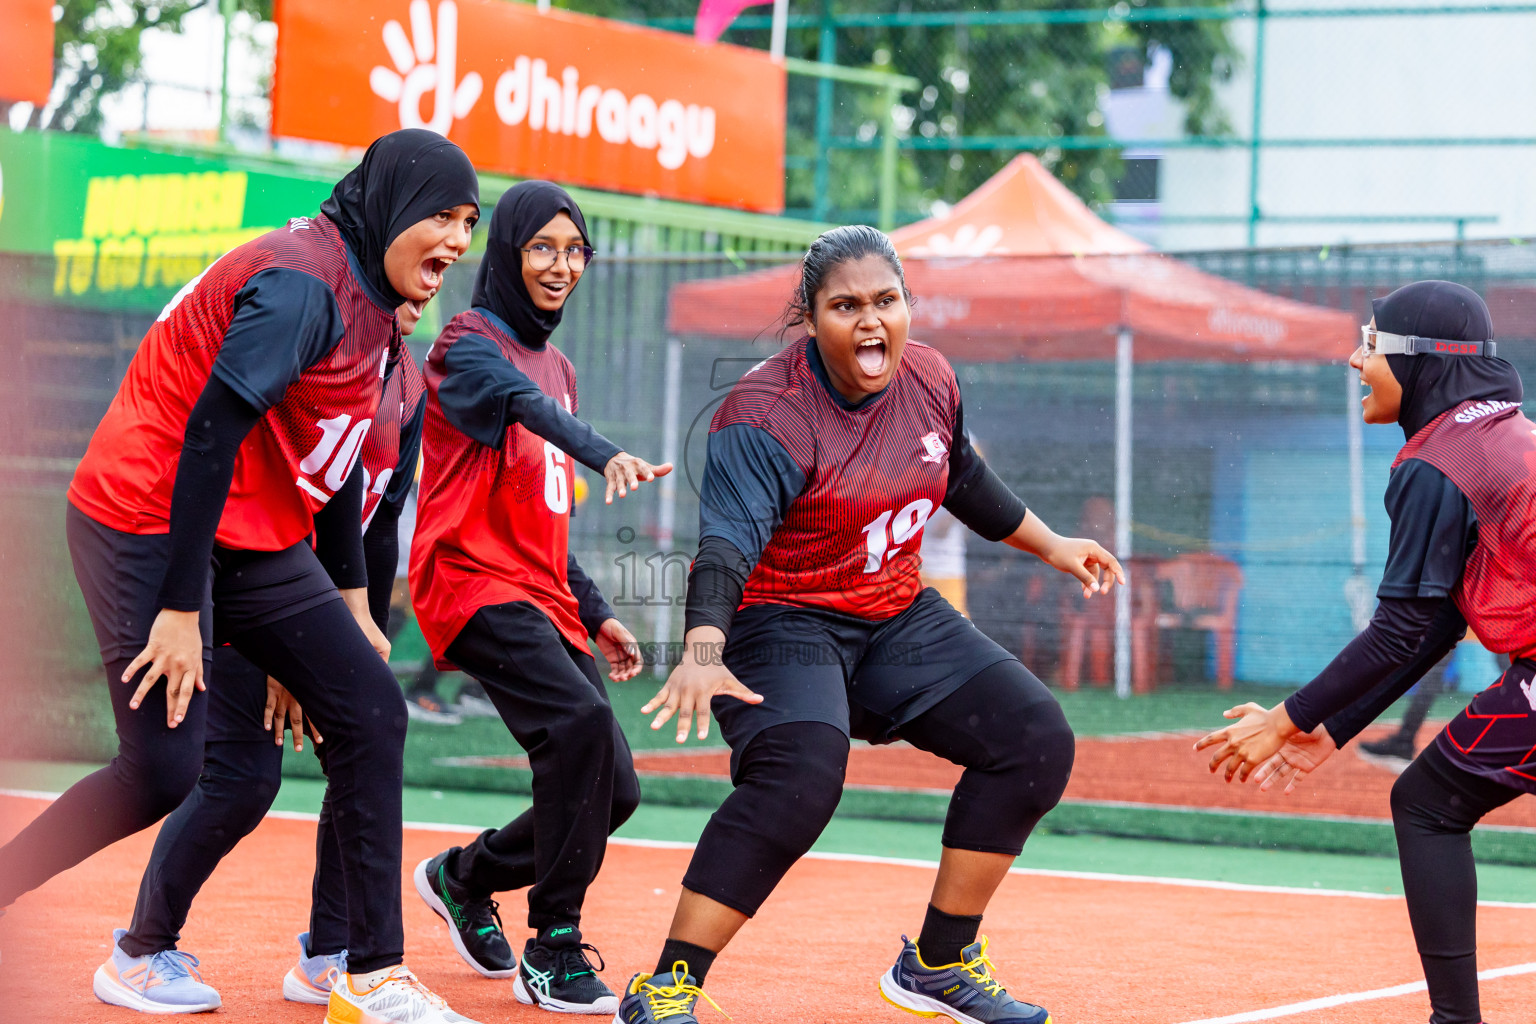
(621, 649)
(1095, 568)
(1257, 735)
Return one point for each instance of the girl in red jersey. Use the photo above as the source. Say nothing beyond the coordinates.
(499, 595)
(807, 624)
(232, 439)
(1462, 550)
(243, 756)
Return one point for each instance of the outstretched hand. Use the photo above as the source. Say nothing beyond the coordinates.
(1257, 736)
(1095, 568)
(625, 472)
(1302, 754)
(701, 677)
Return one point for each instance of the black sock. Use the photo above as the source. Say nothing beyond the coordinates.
(698, 959)
(945, 935)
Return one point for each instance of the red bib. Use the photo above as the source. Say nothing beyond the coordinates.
(492, 526)
(301, 450)
(1488, 450)
(873, 476)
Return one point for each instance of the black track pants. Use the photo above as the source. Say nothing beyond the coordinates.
(552, 699)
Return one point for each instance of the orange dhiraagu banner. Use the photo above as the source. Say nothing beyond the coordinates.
(26, 50)
(565, 96)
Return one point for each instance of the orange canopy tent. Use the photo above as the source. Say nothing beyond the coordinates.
(1021, 269)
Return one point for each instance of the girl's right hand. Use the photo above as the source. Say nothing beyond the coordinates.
(690, 687)
(175, 651)
(624, 473)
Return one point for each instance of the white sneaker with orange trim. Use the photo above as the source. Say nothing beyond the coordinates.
(399, 999)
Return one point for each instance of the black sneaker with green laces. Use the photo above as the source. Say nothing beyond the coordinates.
(556, 974)
(473, 923)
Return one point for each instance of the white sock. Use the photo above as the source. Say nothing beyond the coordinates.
(364, 982)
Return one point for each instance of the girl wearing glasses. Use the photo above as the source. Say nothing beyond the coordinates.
(1462, 551)
(499, 596)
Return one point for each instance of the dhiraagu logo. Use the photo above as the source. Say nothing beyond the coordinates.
(530, 91)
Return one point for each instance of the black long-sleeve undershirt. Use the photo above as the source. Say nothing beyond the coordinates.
(1444, 633)
(1393, 637)
(381, 555)
(339, 534)
(482, 394)
(591, 607)
(217, 426)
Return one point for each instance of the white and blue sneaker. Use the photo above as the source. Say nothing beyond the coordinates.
(313, 977)
(966, 992)
(164, 982)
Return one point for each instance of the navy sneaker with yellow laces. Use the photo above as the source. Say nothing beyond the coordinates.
(662, 998)
(966, 992)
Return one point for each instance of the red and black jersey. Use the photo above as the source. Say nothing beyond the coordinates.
(492, 523)
(386, 450)
(1488, 450)
(318, 400)
(849, 539)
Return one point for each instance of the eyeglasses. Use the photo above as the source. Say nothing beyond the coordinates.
(1376, 342)
(542, 257)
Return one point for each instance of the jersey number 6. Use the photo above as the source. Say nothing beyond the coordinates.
(557, 493)
(883, 543)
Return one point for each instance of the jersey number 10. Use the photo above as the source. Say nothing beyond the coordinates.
(341, 455)
(883, 543)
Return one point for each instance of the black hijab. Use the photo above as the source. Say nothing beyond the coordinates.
(520, 212)
(406, 176)
(1432, 384)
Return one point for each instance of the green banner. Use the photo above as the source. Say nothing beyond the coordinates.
(124, 226)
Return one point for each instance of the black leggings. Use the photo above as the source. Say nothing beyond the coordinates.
(1434, 806)
(280, 610)
(242, 770)
(1003, 725)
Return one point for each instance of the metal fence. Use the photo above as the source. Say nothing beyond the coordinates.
(1247, 462)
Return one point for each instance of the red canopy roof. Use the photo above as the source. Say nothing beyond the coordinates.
(1022, 269)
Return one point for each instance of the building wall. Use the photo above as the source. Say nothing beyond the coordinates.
(1410, 76)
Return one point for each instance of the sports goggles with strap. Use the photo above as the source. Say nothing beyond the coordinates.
(1382, 343)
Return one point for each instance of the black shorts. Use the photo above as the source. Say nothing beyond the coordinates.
(120, 576)
(867, 679)
(1495, 735)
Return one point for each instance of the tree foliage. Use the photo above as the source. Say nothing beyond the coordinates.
(96, 53)
(978, 81)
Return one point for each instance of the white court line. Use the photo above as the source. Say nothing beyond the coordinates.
(1327, 1002)
(913, 862)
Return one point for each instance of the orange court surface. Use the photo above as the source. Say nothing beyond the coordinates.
(1092, 949)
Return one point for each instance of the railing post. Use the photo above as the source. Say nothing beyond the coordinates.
(1256, 129)
(821, 201)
